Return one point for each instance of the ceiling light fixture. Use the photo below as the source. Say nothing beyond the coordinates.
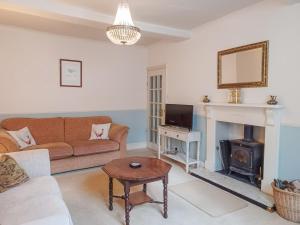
(123, 31)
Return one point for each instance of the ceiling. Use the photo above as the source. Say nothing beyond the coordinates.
(170, 20)
(182, 14)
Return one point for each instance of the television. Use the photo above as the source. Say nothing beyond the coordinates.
(179, 116)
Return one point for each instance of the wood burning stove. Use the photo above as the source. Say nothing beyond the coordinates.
(246, 158)
(245, 155)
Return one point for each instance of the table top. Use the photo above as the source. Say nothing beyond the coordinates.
(151, 168)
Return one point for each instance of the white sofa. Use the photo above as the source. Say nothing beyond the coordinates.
(38, 201)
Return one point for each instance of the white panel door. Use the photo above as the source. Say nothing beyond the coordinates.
(156, 86)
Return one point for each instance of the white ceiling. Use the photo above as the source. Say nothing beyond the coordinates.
(182, 14)
(170, 20)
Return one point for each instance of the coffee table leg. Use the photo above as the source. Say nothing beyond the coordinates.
(145, 188)
(127, 206)
(110, 193)
(165, 183)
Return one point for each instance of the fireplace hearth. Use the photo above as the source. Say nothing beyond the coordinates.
(243, 157)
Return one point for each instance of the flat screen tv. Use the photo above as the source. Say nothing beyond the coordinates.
(179, 116)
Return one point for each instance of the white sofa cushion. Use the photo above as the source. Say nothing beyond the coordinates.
(23, 137)
(42, 210)
(34, 188)
(100, 131)
(36, 163)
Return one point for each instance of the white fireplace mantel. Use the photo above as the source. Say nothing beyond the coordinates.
(246, 105)
(262, 115)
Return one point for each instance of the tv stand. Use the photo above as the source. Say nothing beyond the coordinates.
(165, 133)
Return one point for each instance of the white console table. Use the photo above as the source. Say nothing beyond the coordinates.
(165, 133)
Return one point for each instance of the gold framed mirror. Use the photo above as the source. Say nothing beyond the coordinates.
(244, 66)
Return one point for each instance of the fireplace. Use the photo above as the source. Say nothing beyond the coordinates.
(243, 157)
(264, 117)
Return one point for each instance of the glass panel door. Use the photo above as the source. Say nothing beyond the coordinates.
(156, 101)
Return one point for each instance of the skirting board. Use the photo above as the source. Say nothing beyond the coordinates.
(201, 164)
(136, 145)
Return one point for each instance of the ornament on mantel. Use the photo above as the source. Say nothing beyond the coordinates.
(272, 100)
(205, 99)
(235, 96)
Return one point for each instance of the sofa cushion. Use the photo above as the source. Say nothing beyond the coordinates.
(38, 186)
(100, 131)
(23, 137)
(50, 210)
(93, 146)
(57, 150)
(79, 128)
(44, 130)
(11, 174)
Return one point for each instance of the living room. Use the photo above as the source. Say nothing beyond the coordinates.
(174, 61)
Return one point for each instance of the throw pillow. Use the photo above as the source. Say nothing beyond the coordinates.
(23, 137)
(100, 131)
(11, 174)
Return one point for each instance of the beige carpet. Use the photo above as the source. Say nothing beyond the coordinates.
(85, 193)
(208, 198)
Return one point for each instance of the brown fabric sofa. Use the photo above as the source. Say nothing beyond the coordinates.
(67, 140)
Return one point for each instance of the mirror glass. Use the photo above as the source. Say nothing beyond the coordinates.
(244, 66)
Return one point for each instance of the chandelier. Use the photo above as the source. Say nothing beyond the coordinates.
(123, 31)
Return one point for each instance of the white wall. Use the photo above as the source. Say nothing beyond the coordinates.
(192, 64)
(114, 77)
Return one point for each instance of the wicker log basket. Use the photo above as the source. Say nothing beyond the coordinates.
(287, 204)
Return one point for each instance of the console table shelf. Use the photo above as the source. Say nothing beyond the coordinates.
(165, 133)
(180, 157)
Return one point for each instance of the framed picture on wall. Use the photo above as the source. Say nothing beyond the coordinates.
(70, 73)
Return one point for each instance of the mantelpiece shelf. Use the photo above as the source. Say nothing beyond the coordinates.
(246, 105)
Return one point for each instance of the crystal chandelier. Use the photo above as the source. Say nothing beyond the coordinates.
(123, 31)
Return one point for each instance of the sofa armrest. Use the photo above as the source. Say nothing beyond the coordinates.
(7, 143)
(3, 149)
(119, 134)
(116, 132)
(36, 163)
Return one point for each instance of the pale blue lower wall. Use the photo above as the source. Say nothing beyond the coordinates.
(289, 152)
(289, 158)
(199, 124)
(136, 120)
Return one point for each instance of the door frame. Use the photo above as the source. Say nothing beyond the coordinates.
(152, 71)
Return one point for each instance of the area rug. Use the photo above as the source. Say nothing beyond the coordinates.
(208, 198)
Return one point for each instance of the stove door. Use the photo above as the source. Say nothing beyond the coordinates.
(241, 158)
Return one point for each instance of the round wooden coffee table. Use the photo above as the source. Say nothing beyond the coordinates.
(152, 169)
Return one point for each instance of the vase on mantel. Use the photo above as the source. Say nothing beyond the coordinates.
(205, 99)
(272, 100)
